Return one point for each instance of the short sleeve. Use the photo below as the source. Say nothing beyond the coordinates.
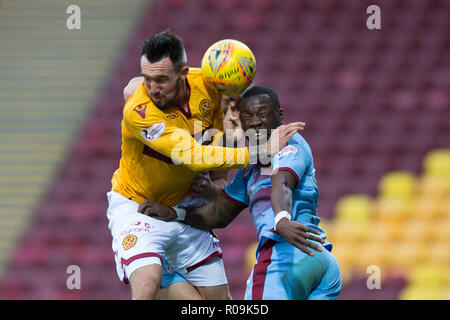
(236, 190)
(292, 158)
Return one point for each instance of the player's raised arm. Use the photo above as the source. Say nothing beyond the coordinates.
(283, 182)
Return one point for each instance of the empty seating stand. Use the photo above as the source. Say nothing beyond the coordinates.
(373, 100)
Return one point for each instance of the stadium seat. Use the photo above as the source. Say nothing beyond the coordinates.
(427, 208)
(419, 292)
(435, 187)
(437, 163)
(405, 255)
(371, 253)
(345, 255)
(430, 275)
(393, 210)
(355, 208)
(438, 253)
(250, 256)
(357, 105)
(398, 184)
(417, 232)
(441, 230)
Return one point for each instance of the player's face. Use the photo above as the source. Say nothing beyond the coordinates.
(260, 114)
(162, 81)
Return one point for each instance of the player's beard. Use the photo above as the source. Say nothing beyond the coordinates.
(172, 101)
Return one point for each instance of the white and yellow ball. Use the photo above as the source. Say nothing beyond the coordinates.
(229, 67)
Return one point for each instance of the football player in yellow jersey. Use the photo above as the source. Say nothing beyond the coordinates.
(160, 159)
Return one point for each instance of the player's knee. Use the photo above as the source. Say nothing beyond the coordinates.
(145, 291)
(145, 282)
(221, 292)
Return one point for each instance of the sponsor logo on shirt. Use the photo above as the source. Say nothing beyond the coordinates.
(154, 131)
(141, 110)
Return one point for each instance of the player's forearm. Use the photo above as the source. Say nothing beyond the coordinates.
(203, 158)
(206, 217)
(281, 198)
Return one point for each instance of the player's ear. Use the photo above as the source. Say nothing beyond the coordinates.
(281, 115)
(184, 71)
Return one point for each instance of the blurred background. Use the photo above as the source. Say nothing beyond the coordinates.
(376, 104)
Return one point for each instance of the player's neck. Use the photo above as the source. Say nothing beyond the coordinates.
(182, 99)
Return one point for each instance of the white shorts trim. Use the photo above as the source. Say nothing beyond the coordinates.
(206, 274)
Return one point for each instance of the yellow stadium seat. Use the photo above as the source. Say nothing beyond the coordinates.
(428, 275)
(345, 253)
(427, 209)
(393, 209)
(441, 231)
(346, 273)
(437, 163)
(438, 253)
(446, 293)
(250, 256)
(435, 187)
(348, 232)
(398, 184)
(416, 292)
(384, 232)
(405, 255)
(371, 253)
(417, 231)
(355, 208)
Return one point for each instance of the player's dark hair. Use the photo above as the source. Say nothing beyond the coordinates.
(162, 45)
(260, 90)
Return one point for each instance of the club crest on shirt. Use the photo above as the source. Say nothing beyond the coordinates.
(129, 241)
(287, 150)
(205, 107)
(154, 131)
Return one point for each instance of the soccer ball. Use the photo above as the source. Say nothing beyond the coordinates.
(229, 67)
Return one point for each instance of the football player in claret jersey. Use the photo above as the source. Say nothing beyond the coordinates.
(160, 159)
(294, 260)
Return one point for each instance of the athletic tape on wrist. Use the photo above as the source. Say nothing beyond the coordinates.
(181, 213)
(280, 215)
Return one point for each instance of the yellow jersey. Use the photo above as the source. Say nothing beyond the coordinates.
(160, 156)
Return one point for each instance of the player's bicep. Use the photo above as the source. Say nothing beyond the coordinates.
(293, 159)
(284, 178)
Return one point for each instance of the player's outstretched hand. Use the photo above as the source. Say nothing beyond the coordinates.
(281, 135)
(299, 235)
(157, 211)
